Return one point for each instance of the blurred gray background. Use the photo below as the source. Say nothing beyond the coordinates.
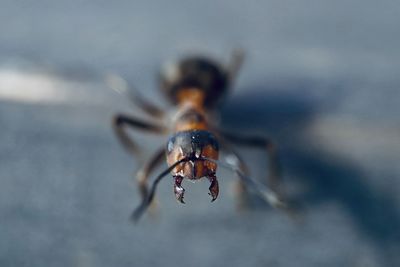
(321, 78)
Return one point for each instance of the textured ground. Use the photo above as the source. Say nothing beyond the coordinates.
(321, 79)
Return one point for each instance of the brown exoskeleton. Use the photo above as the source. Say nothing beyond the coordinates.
(195, 85)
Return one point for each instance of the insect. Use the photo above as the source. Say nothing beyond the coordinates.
(195, 86)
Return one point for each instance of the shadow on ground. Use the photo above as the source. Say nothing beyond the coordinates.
(328, 177)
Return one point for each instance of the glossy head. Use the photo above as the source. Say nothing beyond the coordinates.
(194, 145)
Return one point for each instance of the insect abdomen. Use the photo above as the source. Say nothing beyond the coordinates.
(195, 72)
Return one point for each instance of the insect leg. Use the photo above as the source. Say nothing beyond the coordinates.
(235, 63)
(143, 174)
(138, 212)
(120, 122)
(274, 178)
(121, 86)
(240, 187)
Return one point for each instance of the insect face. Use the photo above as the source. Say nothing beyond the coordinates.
(195, 146)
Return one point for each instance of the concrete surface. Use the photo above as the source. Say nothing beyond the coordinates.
(320, 78)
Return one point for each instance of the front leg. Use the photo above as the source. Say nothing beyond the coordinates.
(143, 174)
(233, 158)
